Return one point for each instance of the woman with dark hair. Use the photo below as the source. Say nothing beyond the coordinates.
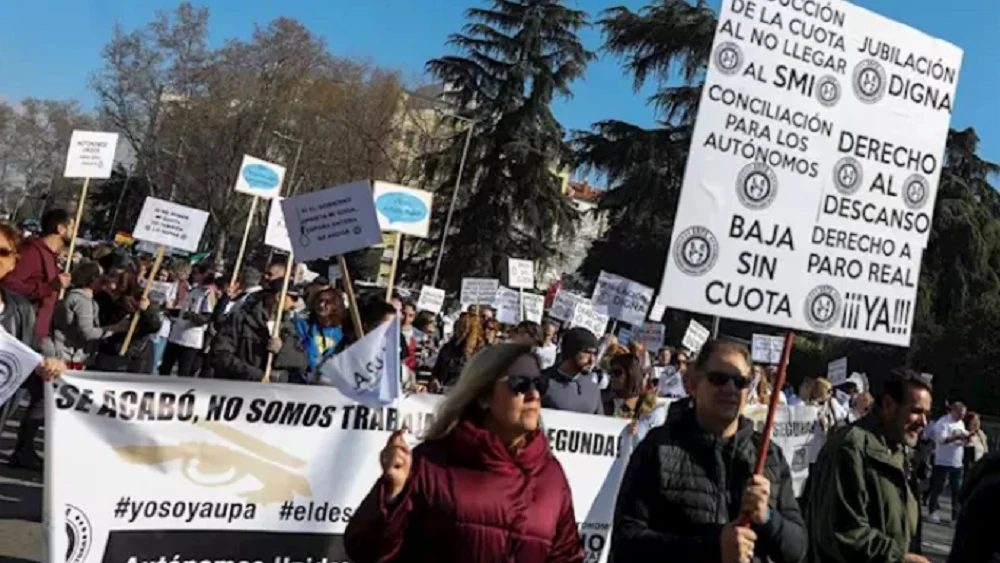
(17, 318)
(483, 486)
(77, 330)
(119, 299)
(527, 332)
(491, 332)
(464, 343)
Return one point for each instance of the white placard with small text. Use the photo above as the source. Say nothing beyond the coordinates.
(520, 273)
(91, 155)
(431, 299)
(170, 224)
(332, 222)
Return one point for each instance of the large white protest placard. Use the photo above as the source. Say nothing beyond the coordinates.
(331, 222)
(766, 349)
(260, 178)
(479, 291)
(403, 209)
(584, 315)
(695, 336)
(91, 155)
(533, 306)
(564, 305)
(624, 299)
(431, 299)
(650, 335)
(507, 305)
(520, 273)
(170, 224)
(242, 471)
(810, 185)
(276, 235)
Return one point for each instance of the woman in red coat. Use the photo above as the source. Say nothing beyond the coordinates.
(483, 487)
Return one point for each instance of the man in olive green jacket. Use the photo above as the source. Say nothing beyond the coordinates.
(860, 508)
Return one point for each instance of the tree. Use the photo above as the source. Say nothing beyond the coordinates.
(516, 56)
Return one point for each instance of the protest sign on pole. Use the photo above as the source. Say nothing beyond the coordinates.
(650, 335)
(766, 349)
(520, 273)
(259, 178)
(431, 299)
(478, 291)
(584, 315)
(657, 310)
(836, 371)
(331, 222)
(508, 305)
(564, 305)
(624, 336)
(91, 154)
(695, 337)
(145, 295)
(403, 209)
(532, 307)
(276, 235)
(170, 224)
(810, 186)
(624, 299)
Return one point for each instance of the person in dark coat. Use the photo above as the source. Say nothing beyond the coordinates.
(483, 486)
(976, 539)
(464, 343)
(116, 304)
(570, 387)
(689, 484)
(244, 340)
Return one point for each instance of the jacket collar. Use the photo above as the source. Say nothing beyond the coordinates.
(474, 446)
(877, 447)
(688, 428)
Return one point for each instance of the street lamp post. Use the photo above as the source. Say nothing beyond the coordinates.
(454, 198)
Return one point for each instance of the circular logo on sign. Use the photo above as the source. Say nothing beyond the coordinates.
(756, 185)
(10, 369)
(828, 91)
(695, 251)
(870, 81)
(728, 58)
(822, 307)
(78, 535)
(916, 190)
(847, 175)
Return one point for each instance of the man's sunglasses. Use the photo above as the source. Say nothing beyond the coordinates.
(720, 378)
(523, 384)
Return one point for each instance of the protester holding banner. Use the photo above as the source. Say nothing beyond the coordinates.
(691, 480)
(483, 486)
(861, 507)
(570, 386)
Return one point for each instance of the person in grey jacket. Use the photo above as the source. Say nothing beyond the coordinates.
(76, 327)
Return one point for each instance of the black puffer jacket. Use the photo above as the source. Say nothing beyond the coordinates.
(683, 485)
(239, 350)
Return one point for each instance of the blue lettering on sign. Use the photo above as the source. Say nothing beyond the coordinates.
(401, 208)
(260, 177)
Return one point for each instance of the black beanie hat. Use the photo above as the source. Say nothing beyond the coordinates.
(576, 340)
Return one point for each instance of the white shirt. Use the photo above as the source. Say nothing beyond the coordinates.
(547, 355)
(199, 301)
(948, 455)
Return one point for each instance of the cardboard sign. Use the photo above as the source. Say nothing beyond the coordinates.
(91, 155)
(520, 273)
(403, 210)
(333, 272)
(479, 291)
(766, 349)
(564, 305)
(331, 222)
(810, 186)
(836, 371)
(623, 298)
(260, 178)
(585, 316)
(533, 306)
(431, 299)
(508, 306)
(170, 224)
(695, 337)
(276, 235)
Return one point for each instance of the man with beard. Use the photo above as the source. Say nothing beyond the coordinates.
(861, 506)
(37, 276)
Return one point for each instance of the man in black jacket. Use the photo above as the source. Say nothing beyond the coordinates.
(690, 481)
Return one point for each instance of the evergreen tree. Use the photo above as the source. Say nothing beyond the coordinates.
(515, 57)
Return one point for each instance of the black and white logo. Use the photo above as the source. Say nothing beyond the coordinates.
(847, 175)
(916, 190)
(828, 91)
(870, 81)
(695, 251)
(756, 185)
(728, 58)
(822, 307)
(79, 536)
(10, 370)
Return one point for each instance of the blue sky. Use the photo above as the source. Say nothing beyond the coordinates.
(48, 48)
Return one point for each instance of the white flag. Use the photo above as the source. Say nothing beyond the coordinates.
(368, 370)
(17, 362)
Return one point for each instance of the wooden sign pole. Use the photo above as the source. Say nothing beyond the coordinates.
(243, 245)
(145, 295)
(359, 328)
(395, 261)
(279, 312)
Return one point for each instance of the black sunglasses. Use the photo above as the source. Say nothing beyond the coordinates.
(720, 378)
(7, 252)
(523, 384)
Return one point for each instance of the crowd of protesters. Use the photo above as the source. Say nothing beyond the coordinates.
(484, 485)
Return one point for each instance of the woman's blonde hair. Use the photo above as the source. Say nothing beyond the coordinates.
(475, 382)
(469, 331)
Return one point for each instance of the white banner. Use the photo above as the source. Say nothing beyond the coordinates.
(431, 299)
(259, 178)
(245, 471)
(766, 349)
(564, 305)
(520, 273)
(624, 299)
(170, 224)
(809, 190)
(478, 291)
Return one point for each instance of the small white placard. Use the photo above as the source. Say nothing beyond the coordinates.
(170, 224)
(766, 349)
(276, 235)
(585, 316)
(332, 222)
(403, 209)
(479, 291)
(507, 305)
(520, 273)
(695, 337)
(534, 306)
(91, 155)
(260, 178)
(431, 299)
(836, 371)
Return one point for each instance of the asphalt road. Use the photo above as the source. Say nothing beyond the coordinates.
(21, 511)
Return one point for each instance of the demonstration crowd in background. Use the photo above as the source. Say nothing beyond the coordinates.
(689, 493)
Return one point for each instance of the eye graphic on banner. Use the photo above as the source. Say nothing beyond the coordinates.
(78, 535)
(269, 465)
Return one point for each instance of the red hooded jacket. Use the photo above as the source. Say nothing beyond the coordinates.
(469, 499)
(32, 278)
